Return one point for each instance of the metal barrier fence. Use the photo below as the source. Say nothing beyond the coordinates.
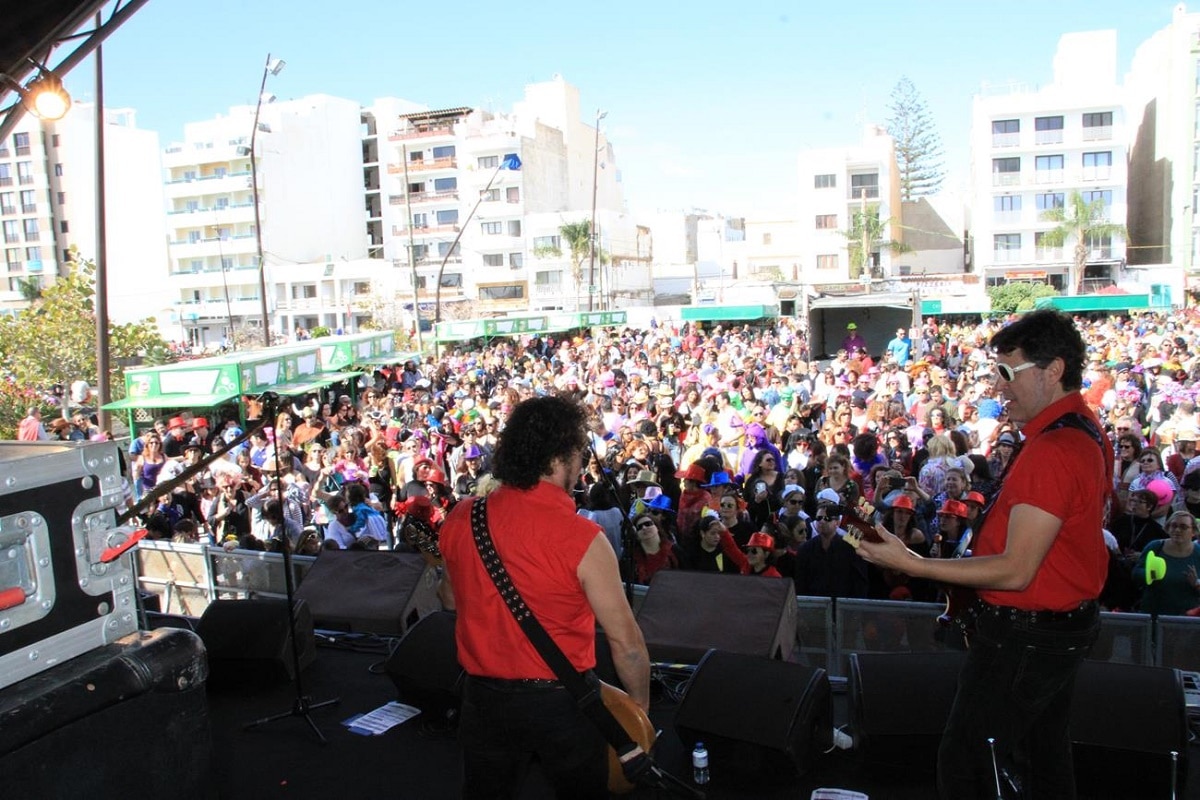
(187, 577)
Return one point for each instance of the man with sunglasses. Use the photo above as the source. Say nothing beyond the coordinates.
(825, 565)
(1039, 565)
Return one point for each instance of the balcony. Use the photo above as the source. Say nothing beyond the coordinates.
(421, 133)
(194, 310)
(1007, 218)
(449, 162)
(1048, 137)
(307, 304)
(1048, 254)
(1006, 139)
(871, 192)
(424, 230)
(1048, 176)
(1006, 178)
(1011, 256)
(434, 197)
(1103, 173)
(1098, 133)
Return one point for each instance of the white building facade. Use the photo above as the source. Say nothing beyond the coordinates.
(1031, 150)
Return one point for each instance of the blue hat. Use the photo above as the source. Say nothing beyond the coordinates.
(661, 503)
(719, 479)
(988, 409)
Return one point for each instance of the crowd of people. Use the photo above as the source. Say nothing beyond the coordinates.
(712, 448)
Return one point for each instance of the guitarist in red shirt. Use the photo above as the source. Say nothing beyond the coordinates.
(1038, 567)
(514, 707)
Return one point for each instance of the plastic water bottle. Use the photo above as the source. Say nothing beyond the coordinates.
(700, 764)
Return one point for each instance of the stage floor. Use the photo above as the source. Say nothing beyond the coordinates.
(420, 758)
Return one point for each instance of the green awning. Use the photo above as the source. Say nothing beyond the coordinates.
(1095, 302)
(171, 401)
(388, 360)
(315, 383)
(716, 313)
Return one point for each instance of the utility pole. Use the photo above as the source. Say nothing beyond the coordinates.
(103, 375)
(592, 230)
(412, 250)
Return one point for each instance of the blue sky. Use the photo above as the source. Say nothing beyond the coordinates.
(708, 103)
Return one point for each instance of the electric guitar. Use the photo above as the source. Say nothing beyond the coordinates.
(635, 722)
(857, 522)
(420, 536)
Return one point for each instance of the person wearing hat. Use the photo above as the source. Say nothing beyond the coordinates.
(953, 537)
(199, 435)
(310, 429)
(693, 499)
(173, 439)
(759, 552)
(471, 471)
(902, 520)
(853, 340)
(826, 566)
(1184, 449)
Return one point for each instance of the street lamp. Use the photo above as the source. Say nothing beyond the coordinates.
(592, 231)
(272, 67)
(225, 284)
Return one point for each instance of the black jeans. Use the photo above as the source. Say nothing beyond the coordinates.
(1016, 688)
(505, 724)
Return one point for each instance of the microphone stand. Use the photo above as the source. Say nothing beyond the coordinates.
(302, 705)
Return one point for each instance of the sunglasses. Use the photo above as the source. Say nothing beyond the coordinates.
(1148, 460)
(823, 519)
(1010, 373)
(646, 524)
(754, 550)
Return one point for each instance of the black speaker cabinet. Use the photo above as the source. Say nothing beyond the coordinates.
(899, 704)
(1125, 721)
(763, 720)
(424, 666)
(369, 591)
(686, 614)
(249, 642)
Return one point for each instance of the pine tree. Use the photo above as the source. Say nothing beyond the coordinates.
(918, 146)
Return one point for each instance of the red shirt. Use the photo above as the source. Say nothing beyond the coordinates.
(1062, 472)
(541, 542)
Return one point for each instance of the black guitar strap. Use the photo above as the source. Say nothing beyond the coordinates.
(584, 688)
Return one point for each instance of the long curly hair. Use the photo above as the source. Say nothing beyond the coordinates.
(539, 430)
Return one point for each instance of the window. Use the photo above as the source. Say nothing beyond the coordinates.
(222, 203)
(489, 162)
(516, 260)
(420, 251)
(1006, 171)
(1044, 249)
(1006, 132)
(510, 291)
(12, 257)
(444, 247)
(827, 261)
(825, 181)
(1050, 200)
(62, 227)
(490, 196)
(547, 243)
(492, 228)
(864, 186)
(445, 184)
(1104, 195)
(416, 156)
(1099, 246)
(447, 217)
(444, 151)
(826, 222)
(1048, 130)
(5, 175)
(1007, 208)
(4, 151)
(21, 143)
(514, 227)
(1097, 126)
(62, 198)
(25, 172)
(548, 278)
(513, 194)
(452, 280)
(1048, 169)
(420, 220)
(192, 206)
(196, 265)
(8, 203)
(226, 263)
(766, 239)
(54, 140)
(12, 231)
(220, 172)
(493, 259)
(1006, 247)
(193, 237)
(31, 230)
(1097, 166)
(361, 287)
(58, 170)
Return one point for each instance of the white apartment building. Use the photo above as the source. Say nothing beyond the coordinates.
(311, 209)
(1163, 87)
(1032, 149)
(441, 180)
(27, 213)
(136, 242)
(835, 184)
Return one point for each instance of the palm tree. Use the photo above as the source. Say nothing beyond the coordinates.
(30, 288)
(578, 236)
(866, 228)
(1083, 222)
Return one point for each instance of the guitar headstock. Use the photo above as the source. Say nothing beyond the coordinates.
(857, 522)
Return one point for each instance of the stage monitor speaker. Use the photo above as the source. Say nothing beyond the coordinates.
(424, 666)
(1125, 721)
(685, 614)
(369, 591)
(249, 642)
(899, 704)
(762, 719)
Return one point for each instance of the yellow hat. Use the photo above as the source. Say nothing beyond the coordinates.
(851, 327)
